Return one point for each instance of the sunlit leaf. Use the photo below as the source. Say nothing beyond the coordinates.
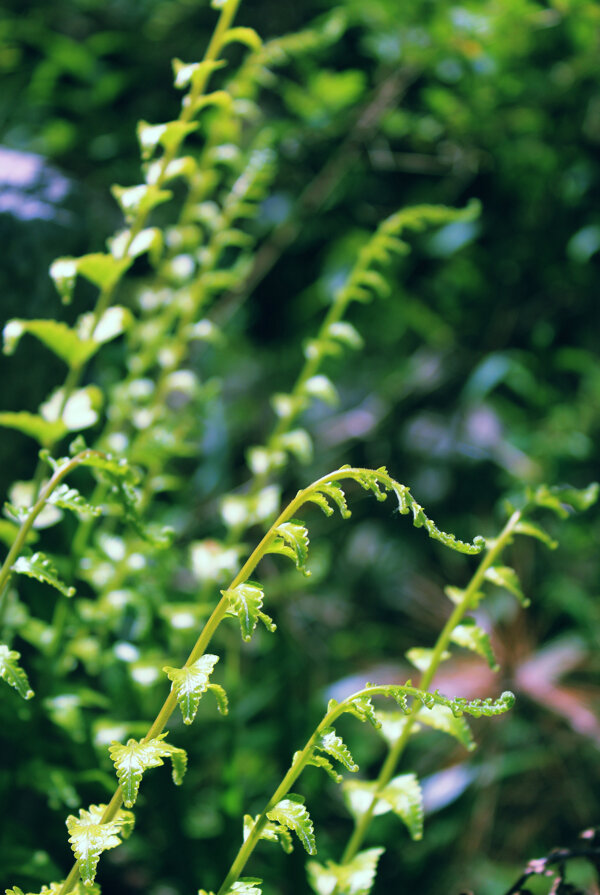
(132, 759)
(190, 682)
(355, 877)
(89, 837)
(533, 530)
(292, 813)
(46, 432)
(440, 718)
(68, 498)
(12, 673)
(272, 832)
(291, 540)
(403, 795)
(471, 636)
(245, 603)
(328, 741)
(504, 576)
(40, 567)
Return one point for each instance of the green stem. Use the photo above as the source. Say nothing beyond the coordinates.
(204, 639)
(396, 751)
(21, 538)
(298, 764)
(220, 610)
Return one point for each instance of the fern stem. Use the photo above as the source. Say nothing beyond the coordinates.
(298, 765)
(187, 112)
(220, 610)
(393, 757)
(36, 509)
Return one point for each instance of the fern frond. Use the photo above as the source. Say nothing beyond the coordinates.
(293, 814)
(190, 682)
(137, 756)
(12, 673)
(89, 837)
(355, 877)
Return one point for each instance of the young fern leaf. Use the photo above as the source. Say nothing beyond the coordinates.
(377, 479)
(102, 270)
(402, 795)
(363, 709)
(38, 566)
(420, 657)
(330, 491)
(70, 499)
(470, 636)
(440, 718)
(246, 885)
(293, 814)
(56, 888)
(89, 837)
(272, 832)
(356, 877)
(191, 681)
(504, 576)
(246, 604)
(533, 530)
(291, 540)
(563, 500)
(73, 346)
(319, 761)
(12, 673)
(137, 756)
(328, 741)
(45, 432)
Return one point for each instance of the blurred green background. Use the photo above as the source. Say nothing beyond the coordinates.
(480, 375)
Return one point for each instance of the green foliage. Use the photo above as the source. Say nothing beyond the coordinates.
(356, 877)
(245, 602)
(12, 673)
(90, 835)
(293, 814)
(137, 756)
(243, 223)
(38, 566)
(191, 681)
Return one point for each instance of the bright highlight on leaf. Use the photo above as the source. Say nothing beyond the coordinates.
(471, 636)
(356, 877)
(272, 832)
(42, 569)
(328, 741)
(137, 756)
(56, 888)
(12, 673)
(245, 603)
(291, 540)
(504, 576)
(70, 499)
(191, 681)
(89, 837)
(440, 718)
(293, 814)
(402, 795)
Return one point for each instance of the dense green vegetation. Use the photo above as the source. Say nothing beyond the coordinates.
(371, 239)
